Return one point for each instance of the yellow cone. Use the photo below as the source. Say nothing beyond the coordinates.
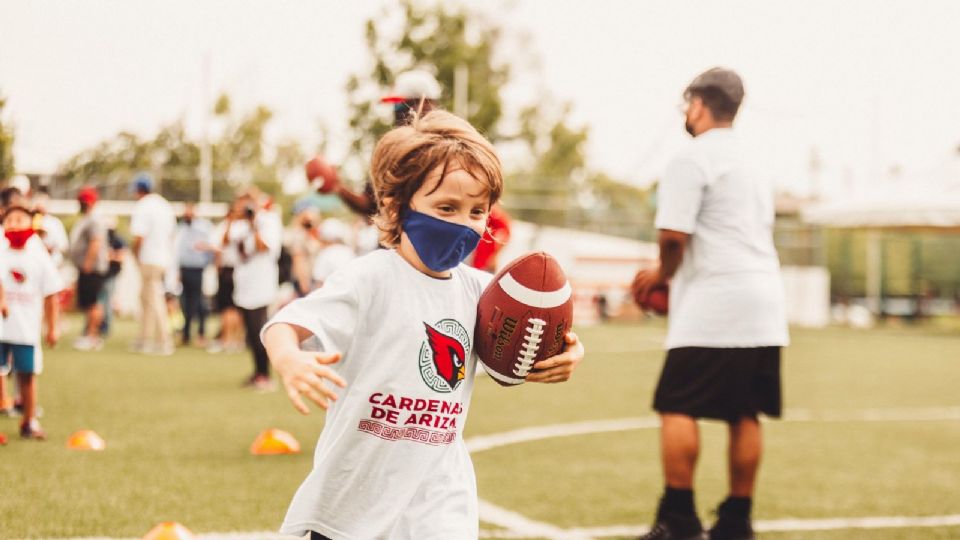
(274, 441)
(86, 440)
(169, 530)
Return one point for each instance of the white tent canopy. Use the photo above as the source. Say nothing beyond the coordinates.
(928, 200)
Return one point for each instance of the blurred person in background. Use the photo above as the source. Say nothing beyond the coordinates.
(193, 257)
(11, 196)
(89, 253)
(226, 258)
(334, 253)
(50, 228)
(258, 235)
(30, 282)
(152, 225)
(494, 238)
(414, 91)
(116, 253)
(302, 241)
(727, 314)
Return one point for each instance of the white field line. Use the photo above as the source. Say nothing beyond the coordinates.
(518, 526)
(535, 433)
(521, 527)
(780, 525)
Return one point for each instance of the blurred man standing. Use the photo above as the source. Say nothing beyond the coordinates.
(193, 234)
(727, 315)
(89, 252)
(152, 226)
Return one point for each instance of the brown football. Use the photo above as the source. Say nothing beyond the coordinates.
(522, 317)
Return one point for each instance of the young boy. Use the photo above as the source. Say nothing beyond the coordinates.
(391, 462)
(30, 282)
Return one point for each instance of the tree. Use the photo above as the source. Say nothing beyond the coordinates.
(436, 38)
(240, 157)
(6, 145)
(553, 185)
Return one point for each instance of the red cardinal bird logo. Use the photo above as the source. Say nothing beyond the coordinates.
(18, 275)
(448, 356)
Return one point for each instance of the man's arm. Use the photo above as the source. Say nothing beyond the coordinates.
(137, 242)
(90, 257)
(672, 245)
(360, 203)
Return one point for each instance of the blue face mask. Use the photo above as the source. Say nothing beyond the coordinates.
(441, 245)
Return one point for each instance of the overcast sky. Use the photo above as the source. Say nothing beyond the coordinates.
(870, 84)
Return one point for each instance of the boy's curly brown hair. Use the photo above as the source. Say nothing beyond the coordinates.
(406, 155)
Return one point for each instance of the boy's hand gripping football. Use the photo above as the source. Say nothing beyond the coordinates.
(303, 373)
(560, 367)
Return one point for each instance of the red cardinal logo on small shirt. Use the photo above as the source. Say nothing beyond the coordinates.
(18, 275)
(448, 356)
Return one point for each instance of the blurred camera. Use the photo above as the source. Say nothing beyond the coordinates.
(249, 211)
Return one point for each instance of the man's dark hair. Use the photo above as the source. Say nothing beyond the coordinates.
(722, 107)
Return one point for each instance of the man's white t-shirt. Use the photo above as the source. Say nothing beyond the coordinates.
(229, 256)
(28, 276)
(391, 461)
(154, 221)
(728, 291)
(256, 274)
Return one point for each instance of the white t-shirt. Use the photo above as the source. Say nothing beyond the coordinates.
(153, 220)
(229, 256)
(391, 461)
(728, 291)
(330, 259)
(28, 276)
(256, 274)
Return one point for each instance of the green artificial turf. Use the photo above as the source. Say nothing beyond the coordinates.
(178, 431)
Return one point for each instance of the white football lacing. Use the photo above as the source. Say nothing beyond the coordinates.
(530, 347)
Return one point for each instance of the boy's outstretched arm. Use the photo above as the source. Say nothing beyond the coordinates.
(559, 368)
(302, 372)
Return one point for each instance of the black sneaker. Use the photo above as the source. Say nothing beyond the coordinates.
(673, 527)
(731, 527)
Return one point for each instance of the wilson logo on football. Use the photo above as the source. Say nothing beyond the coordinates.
(443, 355)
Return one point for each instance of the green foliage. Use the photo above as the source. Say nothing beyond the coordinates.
(239, 153)
(437, 38)
(554, 185)
(914, 263)
(7, 168)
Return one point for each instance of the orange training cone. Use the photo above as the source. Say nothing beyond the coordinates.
(85, 440)
(169, 530)
(274, 441)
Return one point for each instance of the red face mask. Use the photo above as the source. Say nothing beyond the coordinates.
(18, 239)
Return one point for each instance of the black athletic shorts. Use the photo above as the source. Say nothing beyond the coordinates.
(723, 384)
(317, 536)
(88, 288)
(224, 297)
